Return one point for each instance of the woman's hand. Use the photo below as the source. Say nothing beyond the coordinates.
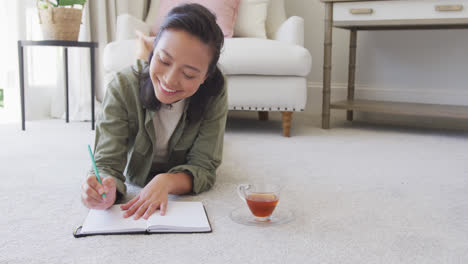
(153, 196)
(155, 193)
(91, 192)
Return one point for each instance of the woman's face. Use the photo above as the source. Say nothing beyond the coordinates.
(179, 65)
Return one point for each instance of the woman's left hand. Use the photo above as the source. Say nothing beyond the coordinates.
(152, 196)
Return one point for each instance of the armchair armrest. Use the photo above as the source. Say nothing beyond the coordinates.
(291, 31)
(126, 26)
(119, 54)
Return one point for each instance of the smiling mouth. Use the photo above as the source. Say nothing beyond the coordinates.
(165, 89)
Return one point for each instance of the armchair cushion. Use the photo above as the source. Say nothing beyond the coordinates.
(251, 19)
(126, 26)
(254, 56)
(119, 54)
(291, 31)
(225, 10)
(276, 16)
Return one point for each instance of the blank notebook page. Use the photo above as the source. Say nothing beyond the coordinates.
(182, 215)
(111, 220)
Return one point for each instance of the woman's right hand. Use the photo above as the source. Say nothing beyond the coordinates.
(92, 190)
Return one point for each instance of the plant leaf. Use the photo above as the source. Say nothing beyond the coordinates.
(71, 2)
(44, 5)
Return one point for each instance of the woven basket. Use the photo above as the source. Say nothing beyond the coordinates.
(60, 23)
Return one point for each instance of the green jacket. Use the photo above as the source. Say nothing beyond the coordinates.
(125, 137)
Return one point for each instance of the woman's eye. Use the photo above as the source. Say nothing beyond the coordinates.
(188, 76)
(163, 62)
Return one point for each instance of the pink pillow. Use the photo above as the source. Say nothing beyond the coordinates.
(225, 11)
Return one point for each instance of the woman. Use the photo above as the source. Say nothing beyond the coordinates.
(162, 124)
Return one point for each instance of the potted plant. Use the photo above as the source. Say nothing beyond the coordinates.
(60, 19)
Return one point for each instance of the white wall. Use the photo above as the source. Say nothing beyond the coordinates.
(418, 66)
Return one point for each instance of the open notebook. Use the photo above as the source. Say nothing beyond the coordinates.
(181, 217)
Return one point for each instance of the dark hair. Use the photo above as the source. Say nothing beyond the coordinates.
(201, 23)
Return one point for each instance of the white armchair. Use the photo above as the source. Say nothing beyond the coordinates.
(262, 74)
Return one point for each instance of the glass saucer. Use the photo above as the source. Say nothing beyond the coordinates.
(242, 215)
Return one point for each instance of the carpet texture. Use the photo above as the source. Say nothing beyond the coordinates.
(360, 194)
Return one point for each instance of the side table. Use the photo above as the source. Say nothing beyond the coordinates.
(357, 15)
(65, 45)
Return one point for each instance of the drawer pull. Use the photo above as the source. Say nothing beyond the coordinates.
(361, 11)
(444, 8)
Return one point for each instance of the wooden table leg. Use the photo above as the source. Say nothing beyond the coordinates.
(287, 117)
(263, 115)
(327, 61)
(351, 70)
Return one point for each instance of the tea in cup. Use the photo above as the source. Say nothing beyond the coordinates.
(260, 198)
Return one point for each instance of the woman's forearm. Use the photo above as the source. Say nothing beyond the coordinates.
(178, 183)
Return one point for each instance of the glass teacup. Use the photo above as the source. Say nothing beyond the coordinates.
(260, 198)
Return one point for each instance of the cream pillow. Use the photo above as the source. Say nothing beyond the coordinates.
(251, 19)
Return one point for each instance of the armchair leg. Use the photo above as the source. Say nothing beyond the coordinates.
(287, 117)
(263, 115)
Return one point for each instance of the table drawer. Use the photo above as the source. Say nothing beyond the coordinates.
(400, 10)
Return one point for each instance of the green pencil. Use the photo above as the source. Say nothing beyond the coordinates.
(95, 168)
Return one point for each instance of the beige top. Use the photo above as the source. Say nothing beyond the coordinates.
(165, 121)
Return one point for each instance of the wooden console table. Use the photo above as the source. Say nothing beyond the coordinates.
(386, 15)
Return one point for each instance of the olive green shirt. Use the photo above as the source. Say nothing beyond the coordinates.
(125, 137)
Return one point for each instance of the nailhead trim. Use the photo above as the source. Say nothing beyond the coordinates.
(264, 108)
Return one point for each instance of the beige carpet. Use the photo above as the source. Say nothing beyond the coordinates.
(360, 193)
